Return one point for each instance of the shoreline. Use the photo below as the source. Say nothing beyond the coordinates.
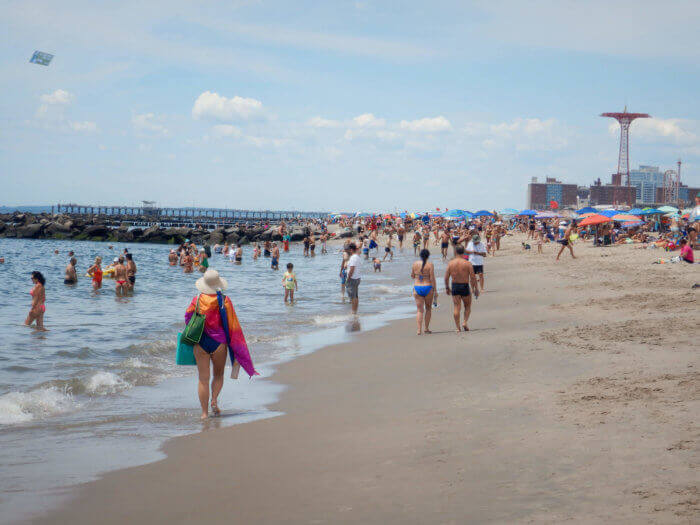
(519, 420)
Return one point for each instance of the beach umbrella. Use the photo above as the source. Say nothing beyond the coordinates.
(650, 211)
(668, 209)
(632, 224)
(528, 212)
(453, 214)
(509, 211)
(635, 211)
(545, 215)
(585, 210)
(625, 217)
(608, 213)
(482, 213)
(594, 219)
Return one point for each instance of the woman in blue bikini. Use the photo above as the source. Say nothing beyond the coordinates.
(424, 290)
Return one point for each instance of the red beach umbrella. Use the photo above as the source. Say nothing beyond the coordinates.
(594, 219)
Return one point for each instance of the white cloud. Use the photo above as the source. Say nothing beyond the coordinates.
(368, 120)
(523, 134)
(214, 106)
(58, 97)
(83, 127)
(225, 130)
(672, 130)
(320, 122)
(148, 123)
(427, 125)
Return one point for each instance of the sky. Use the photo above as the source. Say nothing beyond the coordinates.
(338, 105)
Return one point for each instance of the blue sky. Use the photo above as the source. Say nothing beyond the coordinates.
(350, 105)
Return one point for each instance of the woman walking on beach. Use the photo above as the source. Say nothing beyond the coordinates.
(38, 293)
(221, 330)
(424, 290)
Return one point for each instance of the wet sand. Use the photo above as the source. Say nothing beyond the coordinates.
(574, 398)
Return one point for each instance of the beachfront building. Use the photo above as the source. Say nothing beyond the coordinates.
(646, 180)
(541, 194)
(612, 194)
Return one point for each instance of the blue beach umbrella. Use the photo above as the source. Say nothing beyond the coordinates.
(483, 213)
(608, 213)
(649, 211)
(587, 209)
(528, 212)
(635, 211)
(509, 211)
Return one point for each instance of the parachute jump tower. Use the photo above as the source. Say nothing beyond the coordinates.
(625, 119)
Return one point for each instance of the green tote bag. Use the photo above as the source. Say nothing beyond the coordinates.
(184, 354)
(192, 333)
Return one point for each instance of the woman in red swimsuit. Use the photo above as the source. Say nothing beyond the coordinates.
(38, 293)
(95, 271)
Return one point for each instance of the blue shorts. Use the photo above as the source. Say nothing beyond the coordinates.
(343, 276)
(372, 244)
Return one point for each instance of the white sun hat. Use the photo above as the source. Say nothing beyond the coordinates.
(210, 282)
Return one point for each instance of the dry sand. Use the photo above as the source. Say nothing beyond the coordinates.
(575, 398)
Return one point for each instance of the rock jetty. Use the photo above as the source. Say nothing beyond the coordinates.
(47, 226)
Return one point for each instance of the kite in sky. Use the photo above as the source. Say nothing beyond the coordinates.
(43, 59)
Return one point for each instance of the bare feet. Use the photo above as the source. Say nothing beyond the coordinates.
(204, 416)
(428, 331)
(465, 328)
(215, 408)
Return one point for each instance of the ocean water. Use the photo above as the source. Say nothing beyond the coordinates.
(100, 389)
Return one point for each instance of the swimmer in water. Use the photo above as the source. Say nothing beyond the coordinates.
(120, 278)
(95, 271)
(71, 276)
(38, 293)
(172, 258)
(377, 264)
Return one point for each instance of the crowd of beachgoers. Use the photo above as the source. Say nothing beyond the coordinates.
(363, 243)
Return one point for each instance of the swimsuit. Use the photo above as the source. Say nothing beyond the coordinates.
(460, 289)
(274, 263)
(372, 244)
(423, 291)
(97, 276)
(208, 344)
(121, 283)
(42, 306)
(343, 276)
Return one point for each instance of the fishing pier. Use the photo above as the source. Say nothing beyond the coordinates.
(149, 215)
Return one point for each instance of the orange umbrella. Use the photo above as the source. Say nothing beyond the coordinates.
(626, 217)
(594, 219)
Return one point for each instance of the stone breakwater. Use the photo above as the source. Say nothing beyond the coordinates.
(47, 226)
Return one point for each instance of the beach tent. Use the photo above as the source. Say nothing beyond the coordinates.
(528, 212)
(594, 219)
(668, 209)
(482, 213)
(454, 214)
(587, 209)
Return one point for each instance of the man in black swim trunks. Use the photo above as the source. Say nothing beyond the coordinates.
(462, 273)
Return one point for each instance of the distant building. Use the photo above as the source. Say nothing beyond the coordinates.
(540, 194)
(646, 180)
(612, 194)
(686, 196)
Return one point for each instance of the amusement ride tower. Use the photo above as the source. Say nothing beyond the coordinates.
(625, 119)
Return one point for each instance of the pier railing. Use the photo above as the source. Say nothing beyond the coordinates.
(177, 216)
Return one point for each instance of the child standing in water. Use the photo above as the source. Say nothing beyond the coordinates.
(289, 281)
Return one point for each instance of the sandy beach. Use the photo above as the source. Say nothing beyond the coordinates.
(573, 399)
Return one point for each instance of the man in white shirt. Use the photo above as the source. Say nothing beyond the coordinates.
(353, 281)
(477, 251)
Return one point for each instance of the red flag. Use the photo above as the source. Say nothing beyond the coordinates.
(553, 204)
